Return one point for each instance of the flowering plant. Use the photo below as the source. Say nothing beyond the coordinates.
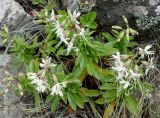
(72, 35)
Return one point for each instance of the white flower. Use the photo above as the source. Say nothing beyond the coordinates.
(134, 75)
(47, 63)
(125, 84)
(32, 76)
(117, 58)
(150, 66)
(119, 66)
(57, 89)
(40, 84)
(146, 51)
(69, 48)
(82, 32)
(74, 16)
(60, 32)
(52, 15)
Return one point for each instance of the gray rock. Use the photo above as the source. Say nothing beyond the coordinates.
(157, 10)
(12, 14)
(154, 2)
(138, 11)
(11, 112)
(4, 59)
(110, 12)
(10, 106)
(79, 5)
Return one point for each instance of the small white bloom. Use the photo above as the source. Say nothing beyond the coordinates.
(6, 91)
(119, 66)
(21, 93)
(134, 75)
(125, 83)
(82, 32)
(150, 66)
(60, 32)
(57, 89)
(52, 15)
(40, 84)
(146, 51)
(32, 76)
(117, 58)
(74, 16)
(70, 47)
(47, 63)
(147, 48)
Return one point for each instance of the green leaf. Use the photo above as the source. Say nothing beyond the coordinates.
(78, 100)
(35, 2)
(92, 93)
(33, 66)
(37, 101)
(54, 104)
(87, 20)
(49, 98)
(132, 105)
(100, 101)
(132, 44)
(108, 36)
(71, 101)
(123, 45)
(92, 16)
(110, 95)
(108, 86)
(41, 2)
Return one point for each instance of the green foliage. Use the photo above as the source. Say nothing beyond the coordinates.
(88, 20)
(69, 40)
(132, 105)
(46, 3)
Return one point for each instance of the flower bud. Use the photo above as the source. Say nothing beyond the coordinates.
(125, 19)
(117, 27)
(121, 36)
(133, 32)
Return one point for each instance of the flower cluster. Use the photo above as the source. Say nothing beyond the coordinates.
(146, 51)
(61, 32)
(40, 82)
(57, 89)
(127, 68)
(124, 71)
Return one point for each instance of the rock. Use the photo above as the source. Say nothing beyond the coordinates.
(157, 10)
(78, 5)
(12, 14)
(111, 12)
(11, 112)
(4, 59)
(10, 106)
(154, 2)
(138, 11)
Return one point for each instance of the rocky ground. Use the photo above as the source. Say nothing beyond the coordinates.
(109, 12)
